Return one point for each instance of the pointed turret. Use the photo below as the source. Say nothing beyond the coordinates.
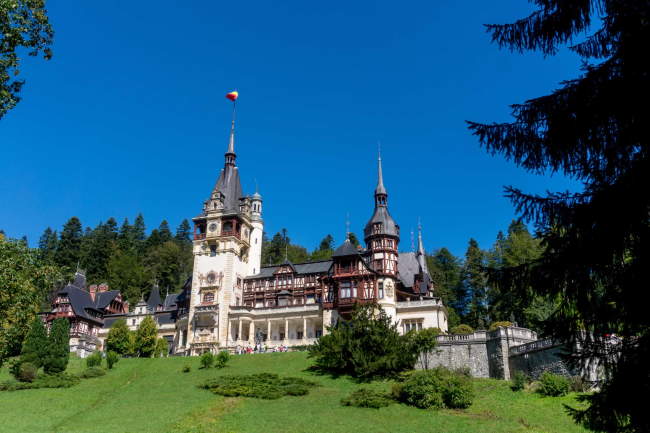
(381, 222)
(230, 153)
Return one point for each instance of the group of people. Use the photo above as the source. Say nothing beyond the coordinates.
(259, 348)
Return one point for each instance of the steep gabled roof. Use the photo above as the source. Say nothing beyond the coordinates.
(345, 249)
(154, 299)
(102, 299)
(81, 302)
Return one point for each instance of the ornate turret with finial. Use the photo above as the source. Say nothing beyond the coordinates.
(381, 232)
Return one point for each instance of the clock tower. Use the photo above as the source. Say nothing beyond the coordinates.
(227, 248)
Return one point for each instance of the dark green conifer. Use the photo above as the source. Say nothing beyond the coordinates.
(58, 347)
(35, 345)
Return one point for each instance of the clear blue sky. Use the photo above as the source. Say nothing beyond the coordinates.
(130, 116)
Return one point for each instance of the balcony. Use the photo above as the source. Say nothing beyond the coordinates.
(199, 236)
(211, 308)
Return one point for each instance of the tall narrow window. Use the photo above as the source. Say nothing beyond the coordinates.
(380, 290)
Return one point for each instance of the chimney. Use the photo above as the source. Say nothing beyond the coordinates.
(93, 290)
(103, 287)
(126, 306)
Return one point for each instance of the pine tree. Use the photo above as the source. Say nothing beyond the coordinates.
(146, 337)
(474, 283)
(126, 237)
(164, 232)
(327, 243)
(127, 274)
(594, 128)
(139, 233)
(353, 239)
(68, 251)
(117, 339)
(47, 244)
(97, 251)
(35, 347)
(445, 269)
(58, 347)
(184, 232)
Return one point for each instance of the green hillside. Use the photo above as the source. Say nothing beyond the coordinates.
(153, 395)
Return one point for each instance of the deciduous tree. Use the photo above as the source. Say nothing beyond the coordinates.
(23, 26)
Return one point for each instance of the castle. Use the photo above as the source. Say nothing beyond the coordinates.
(235, 301)
(232, 301)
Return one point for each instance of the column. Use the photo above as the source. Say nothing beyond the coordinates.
(268, 330)
(286, 331)
(304, 329)
(228, 332)
(239, 330)
(251, 333)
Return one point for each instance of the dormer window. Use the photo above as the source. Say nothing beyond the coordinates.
(377, 228)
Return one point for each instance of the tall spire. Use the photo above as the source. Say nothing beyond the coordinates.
(230, 154)
(380, 190)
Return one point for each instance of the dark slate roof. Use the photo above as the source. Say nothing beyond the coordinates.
(165, 318)
(171, 301)
(301, 268)
(346, 249)
(79, 280)
(381, 215)
(80, 301)
(154, 299)
(408, 267)
(111, 319)
(229, 185)
(104, 298)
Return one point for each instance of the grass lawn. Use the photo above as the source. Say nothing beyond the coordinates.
(153, 395)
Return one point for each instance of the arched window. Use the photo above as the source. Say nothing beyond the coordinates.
(208, 298)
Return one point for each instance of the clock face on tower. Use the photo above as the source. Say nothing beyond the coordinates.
(212, 227)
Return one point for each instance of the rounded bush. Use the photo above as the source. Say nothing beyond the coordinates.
(435, 389)
(519, 380)
(93, 372)
(502, 324)
(367, 398)
(94, 360)
(462, 329)
(27, 372)
(207, 360)
(186, 368)
(111, 359)
(458, 392)
(553, 385)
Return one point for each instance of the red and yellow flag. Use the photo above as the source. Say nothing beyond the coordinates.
(232, 96)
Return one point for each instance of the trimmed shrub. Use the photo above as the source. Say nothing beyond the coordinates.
(364, 397)
(94, 360)
(162, 348)
(119, 338)
(462, 329)
(519, 381)
(27, 372)
(221, 359)
(263, 385)
(457, 392)
(34, 349)
(60, 380)
(111, 359)
(186, 368)
(502, 324)
(207, 360)
(58, 347)
(146, 337)
(553, 385)
(91, 372)
(435, 389)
